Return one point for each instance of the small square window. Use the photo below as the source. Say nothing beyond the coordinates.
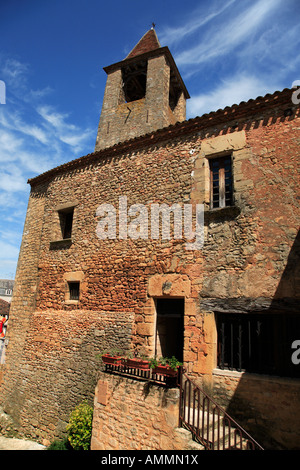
(221, 191)
(74, 290)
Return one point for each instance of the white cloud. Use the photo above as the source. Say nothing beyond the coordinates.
(65, 131)
(223, 38)
(8, 268)
(8, 251)
(230, 91)
(34, 137)
(57, 120)
(13, 121)
(236, 51)
(12, 179)
(173, 35)
(9, 145)
(14, 72)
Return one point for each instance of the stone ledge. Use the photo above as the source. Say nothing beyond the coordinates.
(252, 376)
(57, 244)
(220, 214)
(249, 305)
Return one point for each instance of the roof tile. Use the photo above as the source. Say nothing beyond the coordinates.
(148, 42)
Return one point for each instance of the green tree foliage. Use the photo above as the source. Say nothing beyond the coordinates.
(79, 427)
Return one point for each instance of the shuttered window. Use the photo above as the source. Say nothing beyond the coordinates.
(221, 182)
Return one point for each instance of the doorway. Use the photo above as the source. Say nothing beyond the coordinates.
(169, 328)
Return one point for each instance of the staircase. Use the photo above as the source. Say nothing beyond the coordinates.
(209, 424)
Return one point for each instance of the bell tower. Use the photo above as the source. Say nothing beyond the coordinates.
(143, 93)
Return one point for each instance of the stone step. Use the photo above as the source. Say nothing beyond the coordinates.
(220, 436)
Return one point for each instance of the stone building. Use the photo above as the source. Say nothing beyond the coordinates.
(6, 289)
(95, 272)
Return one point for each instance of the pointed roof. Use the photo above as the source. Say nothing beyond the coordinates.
(148, 47)
(147, 43)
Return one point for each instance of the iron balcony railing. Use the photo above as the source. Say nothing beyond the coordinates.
(144, 374)
(209, 424)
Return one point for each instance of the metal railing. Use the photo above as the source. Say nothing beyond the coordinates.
(143, 374)
(209, 424)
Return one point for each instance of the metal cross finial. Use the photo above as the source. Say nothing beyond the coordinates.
(153, 25)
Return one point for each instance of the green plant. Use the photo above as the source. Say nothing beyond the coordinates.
(173, 362)
(153, 363)
(62, 444)
(111, 352)
(165, 361)
(79, 427)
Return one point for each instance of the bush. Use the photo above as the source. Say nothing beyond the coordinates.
(79, 427)
(63, 444)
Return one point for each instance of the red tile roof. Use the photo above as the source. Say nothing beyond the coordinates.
(244, 110)
(147, 43)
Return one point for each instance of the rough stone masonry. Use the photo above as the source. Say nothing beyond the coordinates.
(248, 263)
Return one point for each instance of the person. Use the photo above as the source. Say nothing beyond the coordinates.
(2, 321)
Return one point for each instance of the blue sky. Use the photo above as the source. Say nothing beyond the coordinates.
(52, 54)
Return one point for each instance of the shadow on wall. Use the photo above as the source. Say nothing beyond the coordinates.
(268, 404)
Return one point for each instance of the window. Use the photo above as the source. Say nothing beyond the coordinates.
(221, 182)
(134, 79)
(258, 343)
(62, 225)
(169, 328)
(66, 222)
(74, 287)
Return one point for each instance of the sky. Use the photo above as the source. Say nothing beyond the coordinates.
(52, 54)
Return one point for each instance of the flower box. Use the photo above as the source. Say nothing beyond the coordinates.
(165, 370)
(137, 364)
(114, 360)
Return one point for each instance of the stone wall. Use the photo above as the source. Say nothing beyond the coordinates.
(59, 366)
(244, 257)
(22, 305)
(267, 407)
(121, 120)
(137, 415)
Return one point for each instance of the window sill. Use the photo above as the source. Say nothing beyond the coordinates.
(221, 213)
(64, 243)
(71, 302)
(253, 376)
(228, 373)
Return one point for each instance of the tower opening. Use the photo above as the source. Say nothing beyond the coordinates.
(134, 78)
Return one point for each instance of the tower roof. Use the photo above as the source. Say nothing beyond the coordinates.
(147, 47)
(147, 43)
